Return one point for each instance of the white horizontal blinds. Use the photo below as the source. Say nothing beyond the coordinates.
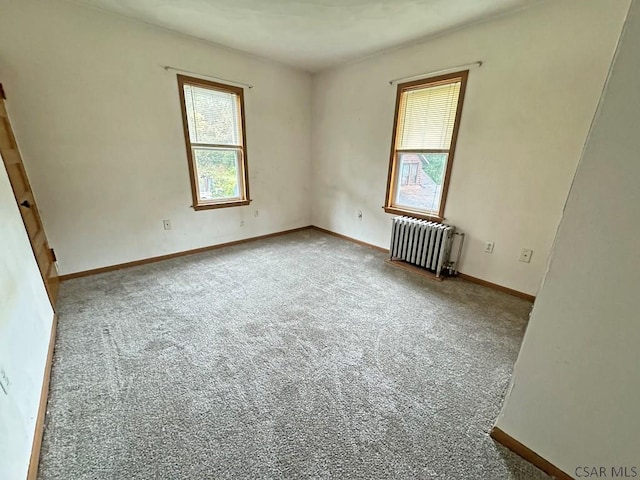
(213, 116)
(427, 116)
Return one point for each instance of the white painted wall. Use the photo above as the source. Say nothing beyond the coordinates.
(25, 326)
(576, 389)
(526, 115)
(99, 124)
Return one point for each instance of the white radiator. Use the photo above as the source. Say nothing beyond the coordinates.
(422, 243)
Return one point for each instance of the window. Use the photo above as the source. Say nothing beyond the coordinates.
(213, 120)
(425, 131)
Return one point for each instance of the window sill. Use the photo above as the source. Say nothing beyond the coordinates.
(211, 206)
(411, 213)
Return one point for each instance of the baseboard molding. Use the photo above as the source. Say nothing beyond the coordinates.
(427, 274)
(495, 286)
(350, 239)
(413, 269)
(42, 408)
(144, 261)
(135, 263)
(529, 455)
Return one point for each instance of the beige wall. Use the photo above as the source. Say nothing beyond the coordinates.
(25, 326)
(104, 186)
(575, 390)
(524, 122)
(99, 124)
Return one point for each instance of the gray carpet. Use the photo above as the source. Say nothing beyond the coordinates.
(300, 356)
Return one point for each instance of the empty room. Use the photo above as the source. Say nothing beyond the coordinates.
(360, 239)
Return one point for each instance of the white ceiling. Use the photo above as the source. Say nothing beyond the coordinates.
(310, 34)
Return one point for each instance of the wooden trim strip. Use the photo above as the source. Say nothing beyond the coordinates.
(159, 258)
(413, 268)
(353, 240)
(225, 204)
(423, 83)
(243, 180)
(426, 273)
(414, 214)
(464, 75)
(529, 455)
(495, 286)
(34, 462)
(10, 137)
(217, 146)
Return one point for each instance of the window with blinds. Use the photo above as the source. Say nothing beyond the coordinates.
(213, 119)
(425, 131)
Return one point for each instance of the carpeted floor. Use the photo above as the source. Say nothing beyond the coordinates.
(300, 356)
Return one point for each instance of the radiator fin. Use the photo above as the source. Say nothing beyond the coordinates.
(420, 242)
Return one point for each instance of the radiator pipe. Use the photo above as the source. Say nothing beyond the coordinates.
(455, 264)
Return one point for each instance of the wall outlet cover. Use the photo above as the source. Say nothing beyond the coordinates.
(525, 255)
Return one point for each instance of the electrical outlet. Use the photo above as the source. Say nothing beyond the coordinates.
(525, 255)
(256, 213)
(166, 224)
(242, 223)
(488, 247)
(359, 215)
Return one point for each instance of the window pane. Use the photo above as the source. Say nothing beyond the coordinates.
(218, 173)
(427, 116)
(419, 180)
(212, 116)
